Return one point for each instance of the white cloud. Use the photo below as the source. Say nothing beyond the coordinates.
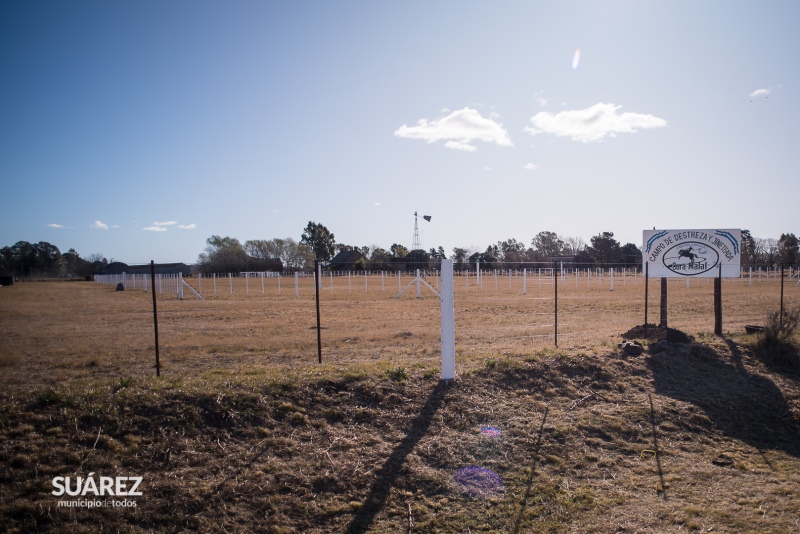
(165, 223)
(458, 145)
(593, 123)
(54, 225)
(100, 225)
(459, 128)
(187, 226)
(530, 167)
(377, 204)
(760, 92)
(155, 229)
(488, 168)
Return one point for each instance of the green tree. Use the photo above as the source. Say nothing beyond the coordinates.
(379, 259)
(223, 255)
(605, 250)
(547, 245)
(787, 249)
(748, 250)
(260, 256)
(631, 255)
(320, 240)
(512, 252)
(418, 259)
(398, 251)
(460, 255)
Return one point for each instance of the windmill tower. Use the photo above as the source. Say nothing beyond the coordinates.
(416, 244)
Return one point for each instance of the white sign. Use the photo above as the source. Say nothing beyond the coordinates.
(692, 253)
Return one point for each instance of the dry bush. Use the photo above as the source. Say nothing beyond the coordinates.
(778, 344)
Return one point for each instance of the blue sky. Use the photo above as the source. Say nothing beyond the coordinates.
(139, 129)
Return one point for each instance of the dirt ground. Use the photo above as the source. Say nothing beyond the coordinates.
(245, 432)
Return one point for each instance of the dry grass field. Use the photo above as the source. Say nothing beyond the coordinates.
(244, 431)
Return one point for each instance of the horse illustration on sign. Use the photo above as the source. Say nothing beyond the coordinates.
(687, 253)
(700, 259)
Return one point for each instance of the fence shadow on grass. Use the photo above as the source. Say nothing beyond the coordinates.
(385, 477)
(744, 405)
(523, 505)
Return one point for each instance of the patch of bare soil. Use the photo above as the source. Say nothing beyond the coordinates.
(652, 332)
(698, 437)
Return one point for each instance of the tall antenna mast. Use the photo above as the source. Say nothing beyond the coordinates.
(416, 244)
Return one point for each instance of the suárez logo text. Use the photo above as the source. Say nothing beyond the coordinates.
(112, 486)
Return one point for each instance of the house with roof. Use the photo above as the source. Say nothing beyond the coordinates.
(346, 261)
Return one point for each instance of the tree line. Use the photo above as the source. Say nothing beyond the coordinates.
(226, 254)
(45, 260)
(229, 255)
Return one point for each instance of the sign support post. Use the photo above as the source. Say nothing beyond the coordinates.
(718, 303)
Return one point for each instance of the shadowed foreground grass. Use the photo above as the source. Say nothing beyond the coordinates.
(694, 437)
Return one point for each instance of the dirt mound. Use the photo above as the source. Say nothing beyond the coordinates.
(657, 333)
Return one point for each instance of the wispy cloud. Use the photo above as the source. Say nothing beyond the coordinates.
(460, 145)
(100, 225)
(459, 129)
(187, 226)
(155, 229)
(54, 225)
(530, 167)
(593, 123)
(760, 92)
(165, 223)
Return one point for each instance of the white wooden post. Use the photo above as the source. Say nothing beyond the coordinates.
(419, 295)
(180, 286)
(751, 277)
(296, 285)
(612, 279)
(246, 283)
(448, 322)
(524, 281)
(478, 279)
(366, 283)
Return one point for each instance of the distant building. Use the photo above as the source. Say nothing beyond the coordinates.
(117, 267)
(346, 260)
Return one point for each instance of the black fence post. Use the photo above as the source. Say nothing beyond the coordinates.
(319, 328)
(155, 312)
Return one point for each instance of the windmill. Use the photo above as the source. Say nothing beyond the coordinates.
(416, 244)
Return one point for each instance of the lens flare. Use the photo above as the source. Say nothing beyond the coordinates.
(491, 432)
(479, 482)
(576, 58)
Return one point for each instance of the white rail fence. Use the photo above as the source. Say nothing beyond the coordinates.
(383, 281)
